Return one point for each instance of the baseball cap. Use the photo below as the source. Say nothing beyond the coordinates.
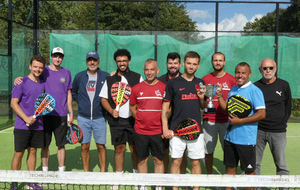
(57, 50)
(93, 54)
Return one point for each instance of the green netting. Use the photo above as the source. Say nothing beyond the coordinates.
(251, 49)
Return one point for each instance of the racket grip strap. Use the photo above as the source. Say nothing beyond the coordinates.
(117, 108)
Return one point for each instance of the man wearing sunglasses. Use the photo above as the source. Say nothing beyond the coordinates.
(272, 129)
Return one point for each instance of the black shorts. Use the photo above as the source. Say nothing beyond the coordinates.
(57, 125)
(28, 138)
(122, 134)
(149, 143)
(234, 153)
(166, 143)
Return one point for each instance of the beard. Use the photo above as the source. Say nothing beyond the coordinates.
(218, 69)
(173, 74)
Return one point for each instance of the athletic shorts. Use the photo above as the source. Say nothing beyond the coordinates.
(195, 148)
(57, 125)
(246, 154)
(149, 143)
(97, 127)
(28, 138)
(122, 134)
(211, 132)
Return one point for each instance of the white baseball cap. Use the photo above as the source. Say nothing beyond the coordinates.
(57, 50)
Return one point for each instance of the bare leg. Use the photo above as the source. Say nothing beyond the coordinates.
(101, 156)
(158, 165)
(231, 171)
(85, 156)
(183, 165)
(134, 157)
(17, 160)
(45, 156)
(175, 168)
(209, 159)
(61, 156)
(143, 165)
(119, 157)
(31, 158)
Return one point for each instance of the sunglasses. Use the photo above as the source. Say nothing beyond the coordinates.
(266, 68)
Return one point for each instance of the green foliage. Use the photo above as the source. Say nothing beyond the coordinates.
(287, 20)
(296, 107)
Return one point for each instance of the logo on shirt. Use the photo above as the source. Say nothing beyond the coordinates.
(157, 92)
(181, 89)
(225, 85)
(279, 93)
(141, 93)
(63, 79)
(91, 86)
(189, 96)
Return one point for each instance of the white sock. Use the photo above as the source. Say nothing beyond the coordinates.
(61, 169)
(120, 172)
(134, 171)
(45, 168)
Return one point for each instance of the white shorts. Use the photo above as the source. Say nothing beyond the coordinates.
(211, 131)
(196, 148)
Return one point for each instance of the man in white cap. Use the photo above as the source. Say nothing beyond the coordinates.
(91, 115)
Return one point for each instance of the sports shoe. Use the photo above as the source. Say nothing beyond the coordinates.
(33, 186)
(14, 186)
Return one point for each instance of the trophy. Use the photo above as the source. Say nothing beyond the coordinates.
(210, 93)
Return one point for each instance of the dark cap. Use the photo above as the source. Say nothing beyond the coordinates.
(93, 54)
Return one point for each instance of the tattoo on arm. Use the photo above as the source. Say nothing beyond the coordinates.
(167, 114)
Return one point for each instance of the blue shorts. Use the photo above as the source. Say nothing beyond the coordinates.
(95, 126)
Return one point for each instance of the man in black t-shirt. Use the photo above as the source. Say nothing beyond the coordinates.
(272, 129)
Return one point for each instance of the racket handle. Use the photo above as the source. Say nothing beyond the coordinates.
(163, 137)
(117, 108)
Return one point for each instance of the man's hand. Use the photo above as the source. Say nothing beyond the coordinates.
(219, 90)
(115, 113)
(18, 81)
(29, 120)
(168, 134)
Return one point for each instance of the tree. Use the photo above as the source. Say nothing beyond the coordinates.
(289, 20)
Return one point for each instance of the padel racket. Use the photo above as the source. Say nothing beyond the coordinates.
(120, 93)
(74, 134)
(238, 106)
(44, 104)
(188, 129)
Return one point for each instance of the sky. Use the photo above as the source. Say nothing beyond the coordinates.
(232, 16)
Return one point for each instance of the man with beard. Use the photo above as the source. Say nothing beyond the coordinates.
(121, 122)
(187, 101)
(173, 66)
(215, 124)
(272, 129)
(91, 115)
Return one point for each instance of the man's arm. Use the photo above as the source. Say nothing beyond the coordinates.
(108, 108)
(222, 101)
(15, 106)
(257, 116)
(165, 114)
(70, 107)
(132, 109)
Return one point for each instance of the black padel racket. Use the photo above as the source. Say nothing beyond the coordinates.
(74, 134)
(238, 106)
(44, 104)
(120, 93)
(188, 129)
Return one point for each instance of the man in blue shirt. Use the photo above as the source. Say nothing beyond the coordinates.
(91, 115)
(240, 140)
